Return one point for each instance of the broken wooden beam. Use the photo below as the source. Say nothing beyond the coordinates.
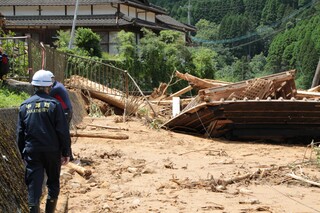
(283, 81)
(91, 134)
(108, 127)
(180, 92)
(294, 176)
(306, 94)
(79, 169)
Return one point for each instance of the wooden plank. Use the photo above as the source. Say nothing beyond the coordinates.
(180, 92)
(225, 91)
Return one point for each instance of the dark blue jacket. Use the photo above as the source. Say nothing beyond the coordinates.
(42, 126)
(59, 92)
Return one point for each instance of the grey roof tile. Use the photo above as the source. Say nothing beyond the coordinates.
(102, 20)
(54, 2)
(167, 20)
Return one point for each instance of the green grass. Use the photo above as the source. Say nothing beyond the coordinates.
(10, 98)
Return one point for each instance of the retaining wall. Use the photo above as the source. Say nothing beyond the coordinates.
(13, 192)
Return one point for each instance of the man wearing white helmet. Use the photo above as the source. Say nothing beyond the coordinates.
(43, 139)
(59, 92)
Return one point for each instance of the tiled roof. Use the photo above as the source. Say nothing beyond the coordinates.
(166, 22)
(169, 21)
(101, 20)
(150, 25)
(54, 2)
(135, 3)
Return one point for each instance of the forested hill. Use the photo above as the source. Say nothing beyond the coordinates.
(254, 37)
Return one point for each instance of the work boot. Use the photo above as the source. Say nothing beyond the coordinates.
(34, 209)
(51, 205)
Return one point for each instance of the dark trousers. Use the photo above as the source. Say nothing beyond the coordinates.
(68, 114)
(36, 164)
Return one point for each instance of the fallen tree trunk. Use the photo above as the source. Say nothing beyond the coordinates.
(79, 169)
(111, 99)
(98, 135)
(198, 82)
(109, 95)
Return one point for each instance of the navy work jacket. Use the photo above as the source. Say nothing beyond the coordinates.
(42, 126)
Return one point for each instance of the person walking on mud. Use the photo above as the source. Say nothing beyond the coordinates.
(43, 139)
(59, 92)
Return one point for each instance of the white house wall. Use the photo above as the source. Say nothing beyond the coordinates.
(82, 10)
(27, 10)
(132, 12)
(52, 10)
(151, 17)
(103, 9)
(6, 11)
(124, 9)
(141, 14)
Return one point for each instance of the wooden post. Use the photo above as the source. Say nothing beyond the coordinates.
(316, 78)
(30, 62)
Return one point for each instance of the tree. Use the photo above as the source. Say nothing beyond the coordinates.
(257, 65)
(235, 28)
(253, 9)
(89, 41)
(308, 57)
(207, 30)
(270, 13)
(128, 53)
(205, 62)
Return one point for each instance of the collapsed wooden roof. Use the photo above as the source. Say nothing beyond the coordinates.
(263, 108)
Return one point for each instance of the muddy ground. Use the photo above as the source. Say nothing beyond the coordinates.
(162, 171)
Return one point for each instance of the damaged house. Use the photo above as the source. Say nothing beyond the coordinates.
(264, 108)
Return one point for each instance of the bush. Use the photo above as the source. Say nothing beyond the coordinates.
(9, 98)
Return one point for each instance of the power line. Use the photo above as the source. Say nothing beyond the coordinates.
(261, 38)
(265, 29)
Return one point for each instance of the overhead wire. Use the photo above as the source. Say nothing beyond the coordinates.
(297, 201)
(265, 29)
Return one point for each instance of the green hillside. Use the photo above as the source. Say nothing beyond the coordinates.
(254, 37)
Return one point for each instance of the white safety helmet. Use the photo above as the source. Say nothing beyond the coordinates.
(50, 73)
(41, 78)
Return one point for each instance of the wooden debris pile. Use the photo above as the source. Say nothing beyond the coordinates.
(112, 96)
(269, 107)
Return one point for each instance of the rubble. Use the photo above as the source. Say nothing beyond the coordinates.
(269, 107)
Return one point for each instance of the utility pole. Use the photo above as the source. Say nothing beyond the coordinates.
(316, 77)
(189, 13)
(73, 25)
